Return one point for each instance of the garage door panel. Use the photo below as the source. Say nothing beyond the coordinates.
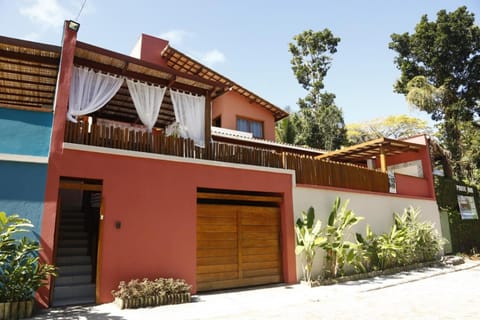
(214, 243)
(210, 261)
(255, 243)
(259, 251)
(261, 265)
(215, 252)
(237, 245)
(213, 236)
(217, 268)
(259, 235)
(216, 228)
(267, 229)
(215, 210)
(215, 276)
(216, 220)
(260, 272)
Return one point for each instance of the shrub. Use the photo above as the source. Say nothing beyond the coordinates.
(144, 288)
(308, 236)
(340, 251)
(21, 272)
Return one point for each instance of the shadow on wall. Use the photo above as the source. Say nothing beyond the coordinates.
(25, 132)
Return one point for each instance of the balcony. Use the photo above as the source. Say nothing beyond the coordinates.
(309, 171)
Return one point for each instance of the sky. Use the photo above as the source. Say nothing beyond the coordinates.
(247, 41)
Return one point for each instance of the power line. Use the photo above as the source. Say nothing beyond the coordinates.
(81, 9)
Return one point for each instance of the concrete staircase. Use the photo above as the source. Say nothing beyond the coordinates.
(74, 283)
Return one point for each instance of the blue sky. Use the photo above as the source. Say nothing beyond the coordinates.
(247, 40)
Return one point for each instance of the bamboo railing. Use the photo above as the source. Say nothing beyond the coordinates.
(308, 170)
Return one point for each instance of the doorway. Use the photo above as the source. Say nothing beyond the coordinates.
(77, 239)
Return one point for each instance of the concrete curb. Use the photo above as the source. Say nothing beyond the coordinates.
(469, 264)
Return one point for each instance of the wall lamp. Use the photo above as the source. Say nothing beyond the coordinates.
(74, 26)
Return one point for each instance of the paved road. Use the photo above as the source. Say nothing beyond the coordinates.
(430, 293)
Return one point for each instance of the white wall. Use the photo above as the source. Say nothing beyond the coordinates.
(375, 208)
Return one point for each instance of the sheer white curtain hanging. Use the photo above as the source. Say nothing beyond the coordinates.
(90, 91)
(190, 114)
(147, 100)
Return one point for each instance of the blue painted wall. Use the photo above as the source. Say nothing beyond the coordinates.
(25, 132)
(22, 190)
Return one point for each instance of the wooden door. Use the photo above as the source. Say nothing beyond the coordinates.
(237, 246)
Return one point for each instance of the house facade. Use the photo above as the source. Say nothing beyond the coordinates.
(132, 191)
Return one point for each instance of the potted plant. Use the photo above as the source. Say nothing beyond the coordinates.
(21, 274)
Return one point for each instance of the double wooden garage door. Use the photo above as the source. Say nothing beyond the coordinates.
(237, 246)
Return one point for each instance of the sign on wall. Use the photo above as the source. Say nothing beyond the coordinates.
(466, 203)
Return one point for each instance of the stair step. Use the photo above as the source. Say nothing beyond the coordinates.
(73, 260)
(73, 214)
(72, 228)
(62, 280)
(73, 301)
(72, 220)
(73, 235)
(76, 293)
(73, 243)
(73, 251)
(82, 269)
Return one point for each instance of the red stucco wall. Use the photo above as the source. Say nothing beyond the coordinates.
(406, 185)
(155, 201)
(232, 105)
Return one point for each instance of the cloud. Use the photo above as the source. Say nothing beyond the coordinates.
(212, 57)
(176, 37)
(48, 13)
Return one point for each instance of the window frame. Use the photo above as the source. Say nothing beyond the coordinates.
(249, 124)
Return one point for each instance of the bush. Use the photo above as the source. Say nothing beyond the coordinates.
(21, 272)
(408, 241)
(147, 288)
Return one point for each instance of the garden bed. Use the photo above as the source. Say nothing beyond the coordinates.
(376, 273)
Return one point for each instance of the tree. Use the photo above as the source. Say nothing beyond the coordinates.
(440, 73)
(285, 129)
(395, 127)
(320, 122)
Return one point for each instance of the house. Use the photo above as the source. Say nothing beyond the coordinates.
(134, 191)
(27, 91)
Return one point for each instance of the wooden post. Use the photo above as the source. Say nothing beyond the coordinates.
(208, 120)
(383, 161)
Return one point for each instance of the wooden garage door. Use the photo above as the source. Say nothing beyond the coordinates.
(237, 246)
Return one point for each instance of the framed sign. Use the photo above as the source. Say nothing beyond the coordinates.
(467, 207)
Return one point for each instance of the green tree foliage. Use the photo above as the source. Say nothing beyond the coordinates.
(440, 73)
(319, 122)
(285, 129)
(395, 127)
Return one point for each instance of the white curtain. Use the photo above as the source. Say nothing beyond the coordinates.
(90, 91)
(190, 114)
(147, 100)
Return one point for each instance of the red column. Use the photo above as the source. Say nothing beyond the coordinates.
(47, 239)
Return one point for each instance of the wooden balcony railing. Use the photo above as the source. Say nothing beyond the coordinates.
(308, 170)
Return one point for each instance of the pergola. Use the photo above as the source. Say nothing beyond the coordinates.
(29, 72)
(381, 148)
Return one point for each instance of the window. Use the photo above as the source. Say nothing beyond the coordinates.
(255, 127)
(217, 122)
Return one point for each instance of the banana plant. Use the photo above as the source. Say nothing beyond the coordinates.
(309, 239)
(340, 251)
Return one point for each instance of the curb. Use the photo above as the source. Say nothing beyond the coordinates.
(449, 269)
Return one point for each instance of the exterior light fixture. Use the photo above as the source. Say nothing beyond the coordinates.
(74, 26)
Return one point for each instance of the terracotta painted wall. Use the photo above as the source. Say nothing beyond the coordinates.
(155, 201)
(232, 105)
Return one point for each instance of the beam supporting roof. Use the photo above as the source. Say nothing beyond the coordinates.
(381, 148)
